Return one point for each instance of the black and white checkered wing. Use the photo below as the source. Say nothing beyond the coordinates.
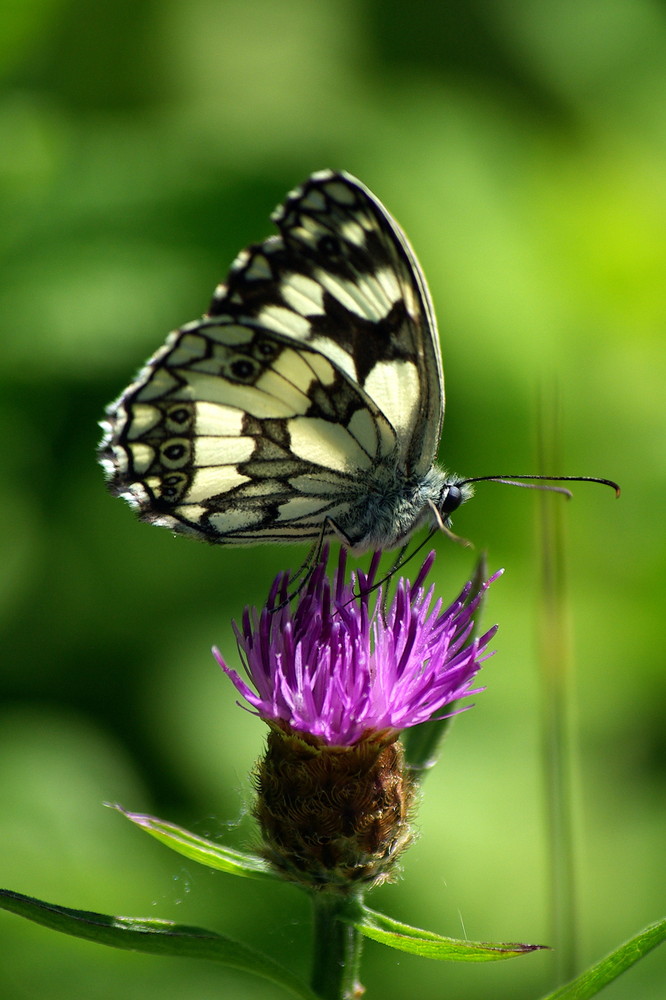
(345, 264)
(314, 381)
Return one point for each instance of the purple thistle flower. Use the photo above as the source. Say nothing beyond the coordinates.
(337, 677)
(340, 670)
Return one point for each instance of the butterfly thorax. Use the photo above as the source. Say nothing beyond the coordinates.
(392, 507)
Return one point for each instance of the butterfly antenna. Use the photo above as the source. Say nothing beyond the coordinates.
(542, 482)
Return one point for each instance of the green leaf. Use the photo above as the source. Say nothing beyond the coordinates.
(429, 945)
(604, 972)
(155, 937)
(205, 852)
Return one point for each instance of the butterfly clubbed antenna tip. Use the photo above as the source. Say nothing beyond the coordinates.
(544, 483)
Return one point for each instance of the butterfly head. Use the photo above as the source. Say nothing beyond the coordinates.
(453, 495)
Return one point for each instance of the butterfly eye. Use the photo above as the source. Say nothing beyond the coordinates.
(451, 498)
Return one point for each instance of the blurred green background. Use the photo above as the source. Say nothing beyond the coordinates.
(522, 145)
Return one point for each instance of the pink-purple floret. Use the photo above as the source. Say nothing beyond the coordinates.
(338, 668)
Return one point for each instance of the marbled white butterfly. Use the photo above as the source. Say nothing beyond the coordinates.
(308, 402)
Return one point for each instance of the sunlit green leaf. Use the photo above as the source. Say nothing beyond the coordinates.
(430, 945)
(155, 937)
(205, 852)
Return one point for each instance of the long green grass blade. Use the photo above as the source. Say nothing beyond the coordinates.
(593, 980)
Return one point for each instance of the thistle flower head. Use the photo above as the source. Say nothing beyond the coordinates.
(337, 678)
(338, 668)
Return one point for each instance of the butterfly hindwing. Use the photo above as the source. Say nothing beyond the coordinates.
(235, 435)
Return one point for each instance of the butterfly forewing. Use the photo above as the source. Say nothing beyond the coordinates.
(376, 309)
(311, 390)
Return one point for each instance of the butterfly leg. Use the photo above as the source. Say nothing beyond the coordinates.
(398, 562)
(305, 570)
(342, 537)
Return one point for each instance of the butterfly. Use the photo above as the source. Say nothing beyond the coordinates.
(308, 402)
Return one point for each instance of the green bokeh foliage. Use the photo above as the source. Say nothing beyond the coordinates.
(521, 145)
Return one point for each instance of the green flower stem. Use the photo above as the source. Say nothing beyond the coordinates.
(557, 684)
(337, 948)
